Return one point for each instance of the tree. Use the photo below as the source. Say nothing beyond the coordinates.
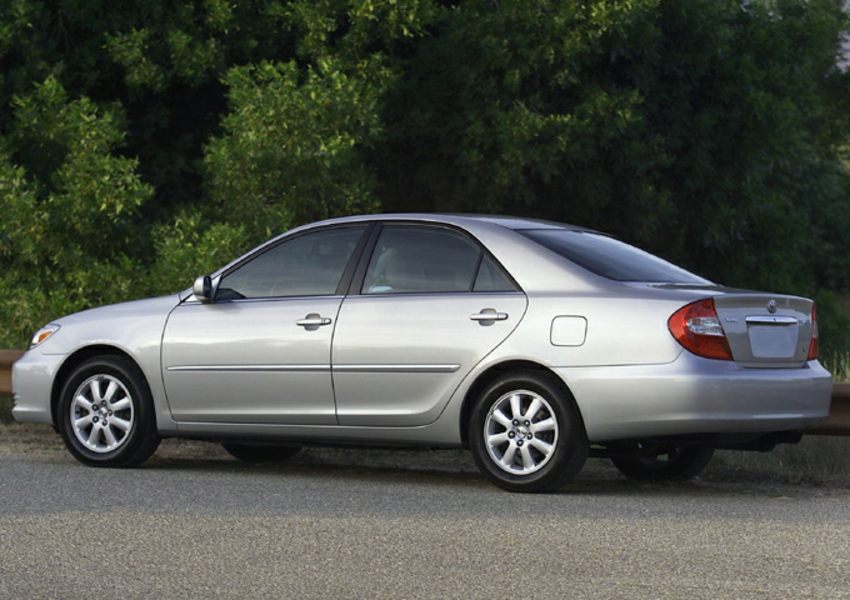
(293, 145)
(145, 142)
(709, 132)
(70, 210)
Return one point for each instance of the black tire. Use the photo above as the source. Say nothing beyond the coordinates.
(570, 447)
(259, 454)
(680, 464)
(139, 442)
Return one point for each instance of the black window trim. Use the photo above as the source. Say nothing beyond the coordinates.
(356, 285)
(347, 273)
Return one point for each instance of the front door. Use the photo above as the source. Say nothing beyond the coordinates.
(432, 304)
(260, 353)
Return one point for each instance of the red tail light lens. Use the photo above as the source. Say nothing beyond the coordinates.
(697, 327)
(814, 345)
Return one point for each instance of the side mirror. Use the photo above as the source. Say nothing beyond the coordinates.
(203, 288)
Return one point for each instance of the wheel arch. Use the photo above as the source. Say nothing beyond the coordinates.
(492, 372)
(74, 360)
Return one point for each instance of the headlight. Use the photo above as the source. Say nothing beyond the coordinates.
(42, 334)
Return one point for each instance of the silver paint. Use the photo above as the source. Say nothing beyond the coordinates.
(397, 369)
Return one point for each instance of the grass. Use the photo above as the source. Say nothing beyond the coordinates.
(839, 366)
(5, 409)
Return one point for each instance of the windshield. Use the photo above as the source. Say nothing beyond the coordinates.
(611, 258)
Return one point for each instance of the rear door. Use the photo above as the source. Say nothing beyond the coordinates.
(427, 305)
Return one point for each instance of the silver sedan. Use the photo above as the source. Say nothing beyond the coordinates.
(534, 344)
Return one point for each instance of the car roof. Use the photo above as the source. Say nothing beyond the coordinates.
(461, 219)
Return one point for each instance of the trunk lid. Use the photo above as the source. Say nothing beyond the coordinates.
(766, 330)
(763, 330)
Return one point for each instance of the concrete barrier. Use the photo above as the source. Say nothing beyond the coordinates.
(838, 422)
(7, 357)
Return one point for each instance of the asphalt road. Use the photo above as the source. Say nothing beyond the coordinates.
(194, 523)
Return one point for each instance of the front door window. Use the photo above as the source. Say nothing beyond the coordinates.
(307, 265)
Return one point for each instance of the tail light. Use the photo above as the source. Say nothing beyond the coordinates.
(814, 345)
(697, 328)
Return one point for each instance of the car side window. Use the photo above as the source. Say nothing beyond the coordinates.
(308, 265)
(422, 259)
(491, 278)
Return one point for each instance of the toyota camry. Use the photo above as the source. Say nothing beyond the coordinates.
(534, 344)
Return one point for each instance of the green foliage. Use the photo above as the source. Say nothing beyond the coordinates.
(839, 366)
(189, 245)
(145, 142)
(292, 149)
(708, 132)
(70, 227)
(69, 148)
(642, 119)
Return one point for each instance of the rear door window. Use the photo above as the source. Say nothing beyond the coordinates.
(411, 259)
(491, 278)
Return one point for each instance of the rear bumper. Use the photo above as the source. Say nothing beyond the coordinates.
(32, 380)
(696, 395)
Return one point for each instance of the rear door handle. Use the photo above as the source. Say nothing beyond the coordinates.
(488, 315)
(313, 321)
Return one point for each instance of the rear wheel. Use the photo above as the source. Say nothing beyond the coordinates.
(255, 454)
(106, 414)
(668, 463)
(526, 434)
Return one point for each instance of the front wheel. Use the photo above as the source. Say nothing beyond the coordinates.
(667, 463)
(106, 413)
(526, 434)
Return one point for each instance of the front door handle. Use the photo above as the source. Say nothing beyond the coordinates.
(488, 315)
(313, 321)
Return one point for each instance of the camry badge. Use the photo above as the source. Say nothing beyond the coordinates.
(771, 306)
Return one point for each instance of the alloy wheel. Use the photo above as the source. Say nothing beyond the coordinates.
(102, 413)
(521, 432)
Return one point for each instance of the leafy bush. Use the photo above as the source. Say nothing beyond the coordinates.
(145, 142)
(67, 233)
(293, 145)
(839, 366)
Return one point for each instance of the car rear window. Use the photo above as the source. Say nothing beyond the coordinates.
(611, 258)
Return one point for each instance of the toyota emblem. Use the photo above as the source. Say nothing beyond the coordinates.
(771, 306)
